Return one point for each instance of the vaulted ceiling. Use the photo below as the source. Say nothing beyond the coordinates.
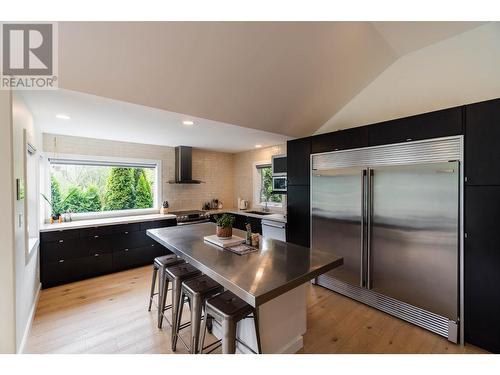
(288, 78)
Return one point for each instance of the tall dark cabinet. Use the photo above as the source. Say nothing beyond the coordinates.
(482, 267)
(298, 191)
(482, 216)
(482, 146)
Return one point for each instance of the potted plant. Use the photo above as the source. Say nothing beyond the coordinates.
(58, 208)
(55, 213)
(224, 226)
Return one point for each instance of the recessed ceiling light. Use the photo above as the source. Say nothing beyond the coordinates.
(63, 116)
(187, 122)
(258, 146)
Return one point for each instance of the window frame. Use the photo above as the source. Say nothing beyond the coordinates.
(157, 191)
(257, 184)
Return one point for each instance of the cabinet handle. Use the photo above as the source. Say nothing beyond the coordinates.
(61, 241)
(96, 236)
(126, 232)
(61, 260)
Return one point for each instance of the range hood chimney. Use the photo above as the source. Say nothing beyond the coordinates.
(183, 166)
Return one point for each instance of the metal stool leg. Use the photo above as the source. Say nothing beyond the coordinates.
(228, 336)
(175, 333)
(177, 303)
(153, 283)
(163, 291)
(257, 332)
(196, 310)
(203, 331)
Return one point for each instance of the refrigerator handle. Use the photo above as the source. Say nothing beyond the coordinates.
(362, 278)
(369, 216)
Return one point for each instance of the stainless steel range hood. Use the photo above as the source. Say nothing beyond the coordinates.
(183, 166)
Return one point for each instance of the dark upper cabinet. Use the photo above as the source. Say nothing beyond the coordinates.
(482, 149)
(443, 123)
(298, 215)
(340, 140)
(482, 267)
(297, 161)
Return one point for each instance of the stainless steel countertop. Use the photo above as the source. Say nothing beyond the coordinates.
(256, 277)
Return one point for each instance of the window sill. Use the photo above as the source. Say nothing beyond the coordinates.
(33, 243)
(111, 214)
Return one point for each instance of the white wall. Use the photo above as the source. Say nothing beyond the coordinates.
(459, 70)
(244, 166)
(27, 279)
(7, 289)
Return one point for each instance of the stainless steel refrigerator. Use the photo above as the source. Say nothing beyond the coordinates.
(393, 212)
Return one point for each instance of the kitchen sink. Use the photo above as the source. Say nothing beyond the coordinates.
(259, 213)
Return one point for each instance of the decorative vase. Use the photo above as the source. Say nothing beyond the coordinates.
(224, 232)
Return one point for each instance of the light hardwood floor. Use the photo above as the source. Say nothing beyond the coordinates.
(108, 314)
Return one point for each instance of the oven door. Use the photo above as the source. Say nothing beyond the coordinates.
(279, 184)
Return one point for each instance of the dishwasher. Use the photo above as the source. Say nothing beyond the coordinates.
(274, 229)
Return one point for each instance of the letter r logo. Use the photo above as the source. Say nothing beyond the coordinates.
(27, 49)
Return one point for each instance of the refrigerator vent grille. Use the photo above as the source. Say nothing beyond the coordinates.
(410, 313)
(433, 151)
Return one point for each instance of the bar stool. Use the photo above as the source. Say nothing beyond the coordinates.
(177, 274)
(228, 309)
(160, 264)
(197, 290)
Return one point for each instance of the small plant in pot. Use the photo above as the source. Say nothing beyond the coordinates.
(224, 226)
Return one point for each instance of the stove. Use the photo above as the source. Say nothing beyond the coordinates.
(191, 217)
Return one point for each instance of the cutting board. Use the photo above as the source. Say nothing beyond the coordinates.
(234, 240)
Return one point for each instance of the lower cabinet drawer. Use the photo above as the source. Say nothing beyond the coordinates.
(99, 264)
(129, 258)
(63, 271)
(61, 249)
(129, 240)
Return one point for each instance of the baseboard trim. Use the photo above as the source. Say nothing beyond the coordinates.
(27, 329)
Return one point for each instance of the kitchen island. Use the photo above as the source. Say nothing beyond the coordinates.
(272, 279)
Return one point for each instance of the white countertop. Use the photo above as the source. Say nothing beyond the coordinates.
(105, 221)
(273, 216)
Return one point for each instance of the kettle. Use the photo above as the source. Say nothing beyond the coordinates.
(243, 204)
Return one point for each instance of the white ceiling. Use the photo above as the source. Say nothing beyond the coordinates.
(455, 71)
(97, 117)
(264, 78)
(405, 37)
(283, 77)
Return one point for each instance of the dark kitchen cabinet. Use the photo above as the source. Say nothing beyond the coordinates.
(443, 123)
(482, 267)
(482, 146)
(255, 224)
(64, 271)
(59, 235)
(298, 161)
(99, 263)
(298, 215)
(239, 221)
(340, 140)
(72, 255)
